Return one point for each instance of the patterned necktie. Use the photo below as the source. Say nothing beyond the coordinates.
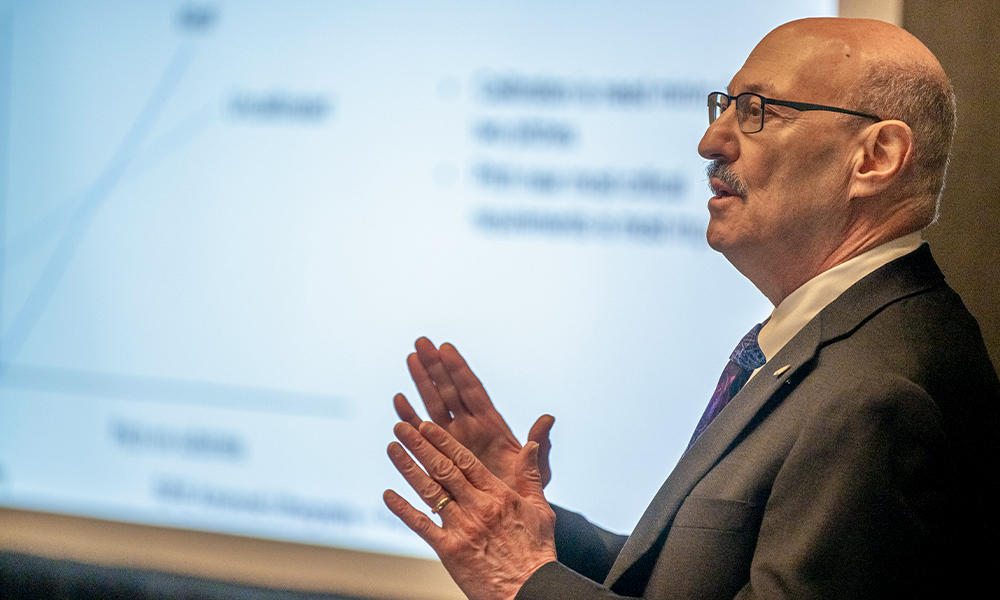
(745, 358)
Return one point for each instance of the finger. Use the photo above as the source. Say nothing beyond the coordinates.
(529, 481)
(430, 491)
(427, 390)
(430, 358)
(460, 458)
(420, 523)
(539, 434)
(469, 387)
(441, 472)
(405, 411)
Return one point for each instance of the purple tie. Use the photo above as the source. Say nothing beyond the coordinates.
(745, 358)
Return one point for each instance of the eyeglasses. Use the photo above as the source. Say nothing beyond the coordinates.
(750, 109)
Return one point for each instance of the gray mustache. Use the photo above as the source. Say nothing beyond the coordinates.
(723, 171)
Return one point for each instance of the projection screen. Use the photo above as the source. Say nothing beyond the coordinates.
(224, 224)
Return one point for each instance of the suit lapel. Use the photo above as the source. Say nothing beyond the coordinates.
(713, 444)
(905, 276)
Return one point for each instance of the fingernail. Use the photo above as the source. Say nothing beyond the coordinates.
(431, 431)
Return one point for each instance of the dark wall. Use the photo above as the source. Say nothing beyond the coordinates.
(965, 36)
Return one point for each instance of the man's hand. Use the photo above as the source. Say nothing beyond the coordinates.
(492, 537)
(456, 400)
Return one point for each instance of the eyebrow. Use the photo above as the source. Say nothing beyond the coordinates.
(756, 88)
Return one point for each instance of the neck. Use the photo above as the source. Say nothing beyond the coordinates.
(779, 274)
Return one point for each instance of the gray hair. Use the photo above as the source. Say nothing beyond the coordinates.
(923, 99)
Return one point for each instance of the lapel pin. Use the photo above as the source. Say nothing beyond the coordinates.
(781, 370)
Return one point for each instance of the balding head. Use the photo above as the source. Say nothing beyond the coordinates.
(814, 188)
(847, 46)
(877, 68)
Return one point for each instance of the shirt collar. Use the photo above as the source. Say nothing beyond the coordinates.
(792, 314)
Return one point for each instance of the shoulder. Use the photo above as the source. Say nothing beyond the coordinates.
(904, 321)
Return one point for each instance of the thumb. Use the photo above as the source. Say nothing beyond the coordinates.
(539, 434)
(529, 482)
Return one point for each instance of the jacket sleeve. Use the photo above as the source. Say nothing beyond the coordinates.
(585, 547)
(585, 552)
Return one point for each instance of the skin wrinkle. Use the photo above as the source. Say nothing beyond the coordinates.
(812, 190)
(821, 187)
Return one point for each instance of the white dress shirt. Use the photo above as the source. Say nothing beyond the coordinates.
(792, 314)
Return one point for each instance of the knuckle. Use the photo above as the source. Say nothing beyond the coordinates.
(441, 467)
(408, 468)
(428, 489)
(422, 526)
(464, 460)
(453, 547)
(492, 514)
(509, 497)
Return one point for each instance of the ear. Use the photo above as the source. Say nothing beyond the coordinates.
(884, 158)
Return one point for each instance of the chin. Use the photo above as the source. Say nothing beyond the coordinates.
(716, 237)
(732, 247)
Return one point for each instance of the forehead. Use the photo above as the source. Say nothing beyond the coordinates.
(764, 88)
(797, 67)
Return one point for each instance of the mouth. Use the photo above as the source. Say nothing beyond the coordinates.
(721, 189)
(724, 182)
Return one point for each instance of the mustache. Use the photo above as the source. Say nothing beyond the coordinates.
(723, 171)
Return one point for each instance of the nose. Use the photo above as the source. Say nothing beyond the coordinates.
(721, 139)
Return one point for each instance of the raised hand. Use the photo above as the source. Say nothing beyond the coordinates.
(456, 400)
(492, 537)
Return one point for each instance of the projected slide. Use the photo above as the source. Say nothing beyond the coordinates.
(224, 224)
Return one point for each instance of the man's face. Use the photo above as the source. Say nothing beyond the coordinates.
(781, 193)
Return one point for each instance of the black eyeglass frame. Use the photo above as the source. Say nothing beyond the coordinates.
(800, 106)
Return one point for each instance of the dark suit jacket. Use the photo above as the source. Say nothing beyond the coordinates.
(860, 462)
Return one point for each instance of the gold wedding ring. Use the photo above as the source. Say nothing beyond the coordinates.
(441, 504)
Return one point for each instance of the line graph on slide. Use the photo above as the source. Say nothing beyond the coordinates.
(46, 247)
(87, 208)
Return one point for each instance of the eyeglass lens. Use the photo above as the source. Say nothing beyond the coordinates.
(717, 104)
(749, 110)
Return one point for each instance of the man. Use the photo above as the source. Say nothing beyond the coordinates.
(860, 461)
